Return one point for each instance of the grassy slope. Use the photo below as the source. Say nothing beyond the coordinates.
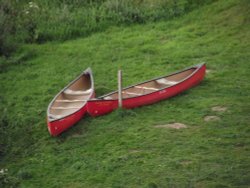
(127, 151)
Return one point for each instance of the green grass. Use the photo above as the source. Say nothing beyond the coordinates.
(123, 149)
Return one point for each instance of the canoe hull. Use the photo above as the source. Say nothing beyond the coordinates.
(101, 107)
(69, 98)
(57, 127)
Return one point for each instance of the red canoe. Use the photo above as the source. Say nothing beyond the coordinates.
(69, 105)
(148, 92)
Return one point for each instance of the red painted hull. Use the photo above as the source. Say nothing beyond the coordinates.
(57, 127)
(99, 107)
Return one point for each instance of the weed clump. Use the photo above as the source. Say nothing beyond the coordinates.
(24, 174)
(122, 113)
(7, 180)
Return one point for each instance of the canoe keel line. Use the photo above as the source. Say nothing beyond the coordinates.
(77, 98)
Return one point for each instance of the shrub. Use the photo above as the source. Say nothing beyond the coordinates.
(4, 139)
(56, 21)
(24, 174)
(7, 28)
(23, 21)
(6, 180)
(18, 24)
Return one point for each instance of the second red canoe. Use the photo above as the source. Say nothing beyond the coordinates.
(148, 92)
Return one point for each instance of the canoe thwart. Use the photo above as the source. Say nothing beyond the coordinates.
(149, 88)
(63, 108)
(130, 93)
(165, 81)
(108, 98)
(52, 116)
(78, 92)
(70, 100)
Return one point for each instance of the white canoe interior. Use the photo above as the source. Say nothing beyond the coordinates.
(71, 99)
(152, 86)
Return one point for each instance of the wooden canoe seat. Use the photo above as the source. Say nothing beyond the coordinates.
(130, 93)
(147, 88)
(164, 81)
(77, 92)
(108, 98)
(52, 116)
(63, 108)
(70, 100)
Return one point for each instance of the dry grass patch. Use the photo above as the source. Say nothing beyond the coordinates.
(219, 109)
(211, 118)
(76, 135)
(208, 71)
(172, 126)
(186, 163)
(134, 151)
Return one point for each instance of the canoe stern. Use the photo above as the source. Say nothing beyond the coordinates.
(58, 126)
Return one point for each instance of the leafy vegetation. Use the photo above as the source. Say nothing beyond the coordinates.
(46, 20)
(125, 149)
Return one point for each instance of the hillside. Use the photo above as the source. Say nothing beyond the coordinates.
(125, 149)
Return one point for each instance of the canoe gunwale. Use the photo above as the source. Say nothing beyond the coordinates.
(87, 71)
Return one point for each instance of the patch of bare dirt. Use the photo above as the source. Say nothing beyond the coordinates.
(76, 135)
(172, 126)
(186, 163)
(134, 151)
(211, 118)
(208, 71)
(219, 108)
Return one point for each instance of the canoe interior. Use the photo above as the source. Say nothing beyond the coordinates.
(151, 86)
(68, 103)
